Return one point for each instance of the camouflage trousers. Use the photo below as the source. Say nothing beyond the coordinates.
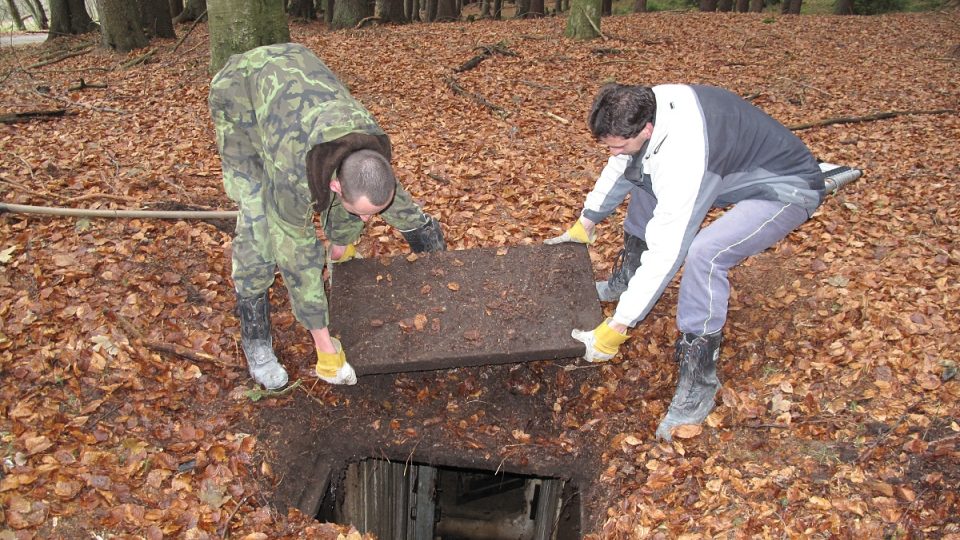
(275, 227)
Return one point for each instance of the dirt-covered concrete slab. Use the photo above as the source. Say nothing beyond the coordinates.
(463, 308)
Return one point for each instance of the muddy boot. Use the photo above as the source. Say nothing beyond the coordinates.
(258, 343)
(628, 260)
(698, 384)
(427, 237)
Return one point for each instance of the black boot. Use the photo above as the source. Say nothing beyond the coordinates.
(427, 237)
(698, 384)
(628, 260)
(257, 342)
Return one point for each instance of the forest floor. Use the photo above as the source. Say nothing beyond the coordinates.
(127, 411)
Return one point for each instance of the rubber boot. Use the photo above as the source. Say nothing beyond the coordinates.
(257, 342)
(698, 384)
(628, 260)
(427, 237)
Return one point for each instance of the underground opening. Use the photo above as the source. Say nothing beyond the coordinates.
(412, 501)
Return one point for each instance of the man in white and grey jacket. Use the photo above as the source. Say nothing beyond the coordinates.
(679, 150)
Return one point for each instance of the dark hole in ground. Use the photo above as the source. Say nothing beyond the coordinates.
(413, 501)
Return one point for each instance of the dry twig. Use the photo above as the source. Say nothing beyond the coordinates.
(866, 118)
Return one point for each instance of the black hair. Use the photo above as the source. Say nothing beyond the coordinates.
(621, 110)
(367, 173)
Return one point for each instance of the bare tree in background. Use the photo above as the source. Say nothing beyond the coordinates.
(792, 7)
(193, 10)
(447, 10)
(347, 13)
(120, 27)
(155, 18)
(843, 7)
(176, 7)
(390, 11)
(69, 17)
(236, 26)
(583, 22)
(37, 12)
(302, 9)
(15, 15)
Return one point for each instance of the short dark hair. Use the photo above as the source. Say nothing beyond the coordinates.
(366, 173)
(621, 110)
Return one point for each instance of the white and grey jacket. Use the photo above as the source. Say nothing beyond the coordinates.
(709, 148)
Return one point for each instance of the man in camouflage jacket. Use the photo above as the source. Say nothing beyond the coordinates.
(293, 141)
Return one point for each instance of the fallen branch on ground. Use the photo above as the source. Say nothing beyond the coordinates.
(84, 84)
(138, 60)
(460, 91)
(184, 37)
(866, 118)
(14, 118)
(63, 56)
(488, 51)
(183, 352)
(365, 21)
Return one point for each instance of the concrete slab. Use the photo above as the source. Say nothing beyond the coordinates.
(463, 308)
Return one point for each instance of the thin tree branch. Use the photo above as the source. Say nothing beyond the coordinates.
(866, 118)
(460, 91)
(192, 26)
(61, 57)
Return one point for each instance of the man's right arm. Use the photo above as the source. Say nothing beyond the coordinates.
(609, 191)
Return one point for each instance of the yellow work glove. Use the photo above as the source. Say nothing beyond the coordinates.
(333, 367)
(602, 342)
(348, 254)
(576, 233)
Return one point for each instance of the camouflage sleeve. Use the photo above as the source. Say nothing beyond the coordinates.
(404, 213)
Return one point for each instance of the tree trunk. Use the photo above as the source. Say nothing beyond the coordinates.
(557, 7)
(536, 10)
(606, 8)
(793, 6)
(640, 6)
(236, 26)
(843, 7)
(485, 10)
(390, 11)
(497, 9)
(39, 15)
(192, 11)
(415, 7)
(328, 12)
(176, 7)
(120, 25)
(743, 6)
(447, 11)
(725, 5)
(69, 17)
(347, 13)
(756, 6)
(155, 18)
(15, 15)
(523, 8)
(710, 6)
(431, 8)
(583, 18)
(302, 9)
